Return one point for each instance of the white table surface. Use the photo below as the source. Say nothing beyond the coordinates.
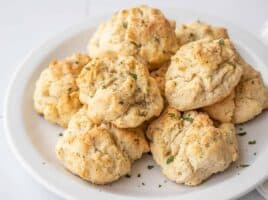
(26, 24)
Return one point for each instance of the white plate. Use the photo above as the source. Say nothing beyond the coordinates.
(33, 139)
(263, 189)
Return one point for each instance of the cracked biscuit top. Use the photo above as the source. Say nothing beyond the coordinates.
(140, 31)
(119, 90)
(189, 148)
(56, 94)
(202, 73)
(199, 30)
(99, 153)
(247, 100)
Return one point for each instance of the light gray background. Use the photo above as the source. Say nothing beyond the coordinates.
(26, 24)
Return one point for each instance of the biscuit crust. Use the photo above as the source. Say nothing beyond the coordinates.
(199, 30)
(202, 73)
(222, 111)
(56, 93)
(189, 148)
(119, 90)
(159, 76)
(266, 101)
(246, 101)
(140, 31)
(99, 153)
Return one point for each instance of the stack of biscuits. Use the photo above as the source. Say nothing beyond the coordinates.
(146, 85)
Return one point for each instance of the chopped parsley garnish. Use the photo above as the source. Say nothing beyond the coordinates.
(244, 165)
(142, 113)
(221, 42)
(139, 175)
(133, 75)
(157, 39)
(242, 133)
(138, 45)
(128, 176)
(192, 37)
(172, 115)
(252, 142)
(125, 24)
(60, 134)
(187, 118)
(150, 167)
(232, 64)
(170, 159)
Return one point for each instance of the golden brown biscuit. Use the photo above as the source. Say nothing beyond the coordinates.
(99, 153)
(139, 31)
(247, 100)
(202, 73)
(119, 90)
(266, 101)
(159, 76)
(189, 148)
(56, 93)
(199, 30)
(222, 111)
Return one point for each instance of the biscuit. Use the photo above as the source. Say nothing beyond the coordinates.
(247, 100)
(119, 90)
(222, 111)
(56, 93)
(99, 153)
(159, 76)
(202, 73)
(199, 30)
(189, 148)
(266, 101)
(140, 31)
